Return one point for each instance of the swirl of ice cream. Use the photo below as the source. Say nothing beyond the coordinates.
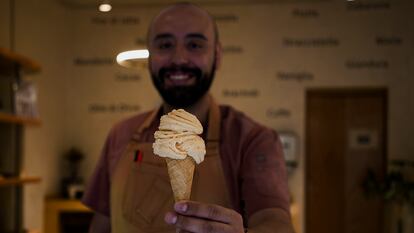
(177, 137)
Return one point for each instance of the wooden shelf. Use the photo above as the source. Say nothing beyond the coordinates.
(18, 180)
(54, 207)
(9, 59)
(10, 118)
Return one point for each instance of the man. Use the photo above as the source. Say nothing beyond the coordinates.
(240, 186)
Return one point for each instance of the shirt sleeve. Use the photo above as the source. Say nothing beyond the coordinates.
(97, 192)
(264, 178)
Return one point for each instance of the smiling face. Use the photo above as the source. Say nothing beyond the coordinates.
(184, 53)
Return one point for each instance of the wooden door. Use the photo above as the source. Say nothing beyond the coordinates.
(345, 136)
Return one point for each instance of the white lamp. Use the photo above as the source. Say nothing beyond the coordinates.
(133, 58)
(105, 6)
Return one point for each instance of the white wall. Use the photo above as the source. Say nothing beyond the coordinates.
(5, 24)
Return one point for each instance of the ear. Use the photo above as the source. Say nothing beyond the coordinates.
(218, 54)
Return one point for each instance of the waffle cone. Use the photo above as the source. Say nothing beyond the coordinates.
(181, 173)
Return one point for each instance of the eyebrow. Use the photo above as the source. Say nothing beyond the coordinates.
(162, 36)
(197, 35)
(190, 35)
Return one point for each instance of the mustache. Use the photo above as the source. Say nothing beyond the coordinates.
(195, 71)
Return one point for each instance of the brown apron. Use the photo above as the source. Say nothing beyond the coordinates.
(140, 188)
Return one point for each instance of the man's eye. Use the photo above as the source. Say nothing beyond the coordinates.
(166, 45)
(194, 45)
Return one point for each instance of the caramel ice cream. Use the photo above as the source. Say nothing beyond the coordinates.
(178, 141)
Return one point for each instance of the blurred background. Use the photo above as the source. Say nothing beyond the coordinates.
(333, 77)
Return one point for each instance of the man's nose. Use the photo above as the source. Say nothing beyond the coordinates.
(180, 56)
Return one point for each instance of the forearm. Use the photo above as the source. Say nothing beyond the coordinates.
(272, 220)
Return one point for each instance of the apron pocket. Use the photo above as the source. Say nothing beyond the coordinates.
(147, 196)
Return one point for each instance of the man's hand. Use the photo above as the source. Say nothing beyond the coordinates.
(196, 217)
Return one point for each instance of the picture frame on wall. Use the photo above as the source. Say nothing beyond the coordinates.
(289, 142)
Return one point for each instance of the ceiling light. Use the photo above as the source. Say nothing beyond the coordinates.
(105, 6)
(132, 58)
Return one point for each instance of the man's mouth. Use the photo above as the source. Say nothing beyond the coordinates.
(179, 78)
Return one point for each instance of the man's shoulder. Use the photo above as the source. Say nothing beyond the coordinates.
(123, 129)
(234, 118)
(238, 128)
(132, 121)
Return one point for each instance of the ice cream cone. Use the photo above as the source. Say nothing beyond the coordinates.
(181, 172)
(177, 140)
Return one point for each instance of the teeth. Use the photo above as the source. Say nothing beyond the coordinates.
(178, 77)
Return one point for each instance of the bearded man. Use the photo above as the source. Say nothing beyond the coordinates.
(241, 185)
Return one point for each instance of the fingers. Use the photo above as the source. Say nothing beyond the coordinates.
(170, 218)
(207, 211)
(186, 224)
(204, 218)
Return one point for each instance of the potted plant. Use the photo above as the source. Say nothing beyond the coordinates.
(72, 185)
(395, 188)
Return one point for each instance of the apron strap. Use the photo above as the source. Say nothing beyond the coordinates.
(214, 120)
(213, 131)
(147, 122)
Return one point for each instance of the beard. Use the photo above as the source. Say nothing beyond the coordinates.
(183, 96)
